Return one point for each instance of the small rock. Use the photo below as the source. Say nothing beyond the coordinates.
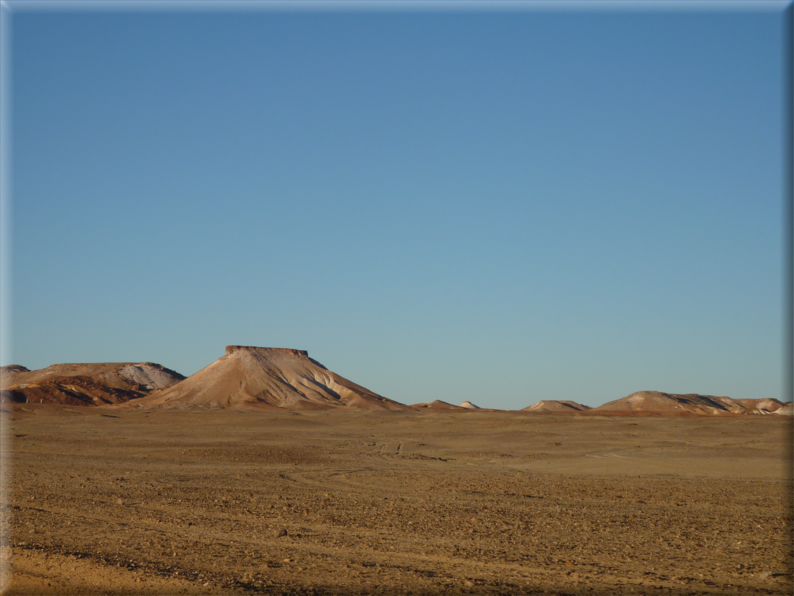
(281, 533)
(764, 574)
(468, 584)
(119, 501)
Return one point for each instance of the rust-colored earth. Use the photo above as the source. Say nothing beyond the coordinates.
(108, 501)
(91, 384)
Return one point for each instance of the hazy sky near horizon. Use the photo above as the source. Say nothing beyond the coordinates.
(492, 206)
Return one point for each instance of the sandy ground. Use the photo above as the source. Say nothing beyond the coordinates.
(224, 502)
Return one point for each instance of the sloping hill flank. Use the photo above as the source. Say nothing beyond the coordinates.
(673, 404)
(766, 405)
(92, 384)
(554, 405)
(249, 377)
(787, 409)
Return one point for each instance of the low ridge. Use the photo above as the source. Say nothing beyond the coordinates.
(92, 384)
(556, 406)
(436, 406)
(658, 402)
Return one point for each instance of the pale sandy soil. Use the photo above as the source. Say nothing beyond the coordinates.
(193, 502)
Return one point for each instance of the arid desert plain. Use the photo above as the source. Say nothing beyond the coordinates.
(220, 501)
(265, 472)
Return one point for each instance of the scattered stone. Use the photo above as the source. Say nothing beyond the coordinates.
(281, 533)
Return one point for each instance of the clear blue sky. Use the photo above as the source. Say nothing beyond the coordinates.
(500, 207)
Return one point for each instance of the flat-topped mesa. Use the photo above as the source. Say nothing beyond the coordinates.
(279, 351)
(250, 377)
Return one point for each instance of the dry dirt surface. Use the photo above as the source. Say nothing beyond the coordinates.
(345, 502)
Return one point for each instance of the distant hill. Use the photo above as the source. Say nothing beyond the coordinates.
(553, 405)
(467, 404)
(437, 406)
(92, 384)
(249, 377)
(672, 404)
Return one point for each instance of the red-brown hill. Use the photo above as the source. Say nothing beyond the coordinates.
(248, 377)
(91, 384)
